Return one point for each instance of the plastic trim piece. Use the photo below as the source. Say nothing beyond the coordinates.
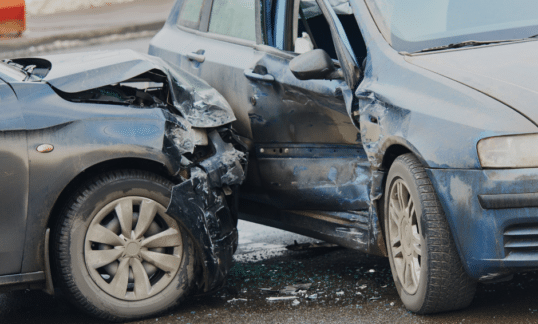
(505, 201)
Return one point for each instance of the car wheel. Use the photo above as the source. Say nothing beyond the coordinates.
(425, 264)
(118, 255)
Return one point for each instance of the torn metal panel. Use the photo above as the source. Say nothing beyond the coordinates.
(200, 204)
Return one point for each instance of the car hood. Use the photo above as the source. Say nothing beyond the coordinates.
(200, 104)
(506, 72)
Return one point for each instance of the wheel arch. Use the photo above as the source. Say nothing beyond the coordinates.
(392, 148)
(102, 167)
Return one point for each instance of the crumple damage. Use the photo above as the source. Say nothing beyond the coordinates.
(201, 204)
(138, 80)
(204, 153)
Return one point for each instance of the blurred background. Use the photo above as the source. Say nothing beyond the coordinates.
(52, 25)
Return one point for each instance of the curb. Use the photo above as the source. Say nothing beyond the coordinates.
(19, 44)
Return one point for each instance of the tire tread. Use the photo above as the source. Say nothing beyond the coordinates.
(449, 287)
(60, 255)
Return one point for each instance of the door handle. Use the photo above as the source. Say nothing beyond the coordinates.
(196, 57)
(250, 74)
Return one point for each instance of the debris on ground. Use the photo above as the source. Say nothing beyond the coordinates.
(233, 300)
(295, 289)
(281, 298)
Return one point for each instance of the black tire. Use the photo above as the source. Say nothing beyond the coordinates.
(73, 246)
(442, 283)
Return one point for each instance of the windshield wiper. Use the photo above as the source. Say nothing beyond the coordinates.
(465, 44)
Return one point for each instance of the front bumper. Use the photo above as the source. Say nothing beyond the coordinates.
(493, 215)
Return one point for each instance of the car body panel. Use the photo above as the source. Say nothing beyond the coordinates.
(484, 233)
(506, 72)
(14, 180)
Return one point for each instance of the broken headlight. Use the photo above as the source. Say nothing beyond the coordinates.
(517, 151)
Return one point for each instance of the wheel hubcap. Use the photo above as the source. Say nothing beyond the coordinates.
(132, 248)
(405, 236)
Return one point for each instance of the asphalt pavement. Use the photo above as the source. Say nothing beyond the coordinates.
(328, 284)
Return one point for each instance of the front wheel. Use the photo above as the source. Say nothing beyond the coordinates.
(425, 264)
(119, 256)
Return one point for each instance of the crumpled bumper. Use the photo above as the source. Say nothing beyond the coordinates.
(200, 204)
(493, 215)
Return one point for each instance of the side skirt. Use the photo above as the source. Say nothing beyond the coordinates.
(351, 229)
(33, 280)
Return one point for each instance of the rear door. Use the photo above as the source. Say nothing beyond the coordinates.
(13, 181)
(217, 45)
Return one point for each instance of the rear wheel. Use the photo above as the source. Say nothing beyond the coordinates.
(118, 254)
(425, 264)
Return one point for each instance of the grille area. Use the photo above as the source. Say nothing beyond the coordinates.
(521, 240)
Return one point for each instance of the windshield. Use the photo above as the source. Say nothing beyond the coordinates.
(9, 73)
(413, 25)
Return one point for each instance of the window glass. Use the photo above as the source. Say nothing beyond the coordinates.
(189, 15)
(412, 25)
(314, 30)
(234, 18)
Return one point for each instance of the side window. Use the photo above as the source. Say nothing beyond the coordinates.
(190, 13)
(314, 32)
(234, 18)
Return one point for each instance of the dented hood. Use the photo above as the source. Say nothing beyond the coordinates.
(200, 104)
(505, 72)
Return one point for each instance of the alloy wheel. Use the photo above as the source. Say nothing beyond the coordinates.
(405, 236)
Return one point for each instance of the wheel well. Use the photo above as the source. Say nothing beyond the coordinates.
(106, 166)
(392, 154)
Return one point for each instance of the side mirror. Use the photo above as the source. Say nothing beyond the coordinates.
(315, 64)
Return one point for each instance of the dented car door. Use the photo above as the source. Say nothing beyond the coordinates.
(308, 152)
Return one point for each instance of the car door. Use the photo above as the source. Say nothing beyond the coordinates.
(13, 182)
(308, 151)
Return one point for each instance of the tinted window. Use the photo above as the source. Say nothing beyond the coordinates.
(234, 18)
(190, 13)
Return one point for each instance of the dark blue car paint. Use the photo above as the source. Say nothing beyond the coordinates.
(403, 105)
(441, 122)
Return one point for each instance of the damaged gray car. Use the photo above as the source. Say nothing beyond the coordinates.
(119, 182)
(400, 128)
